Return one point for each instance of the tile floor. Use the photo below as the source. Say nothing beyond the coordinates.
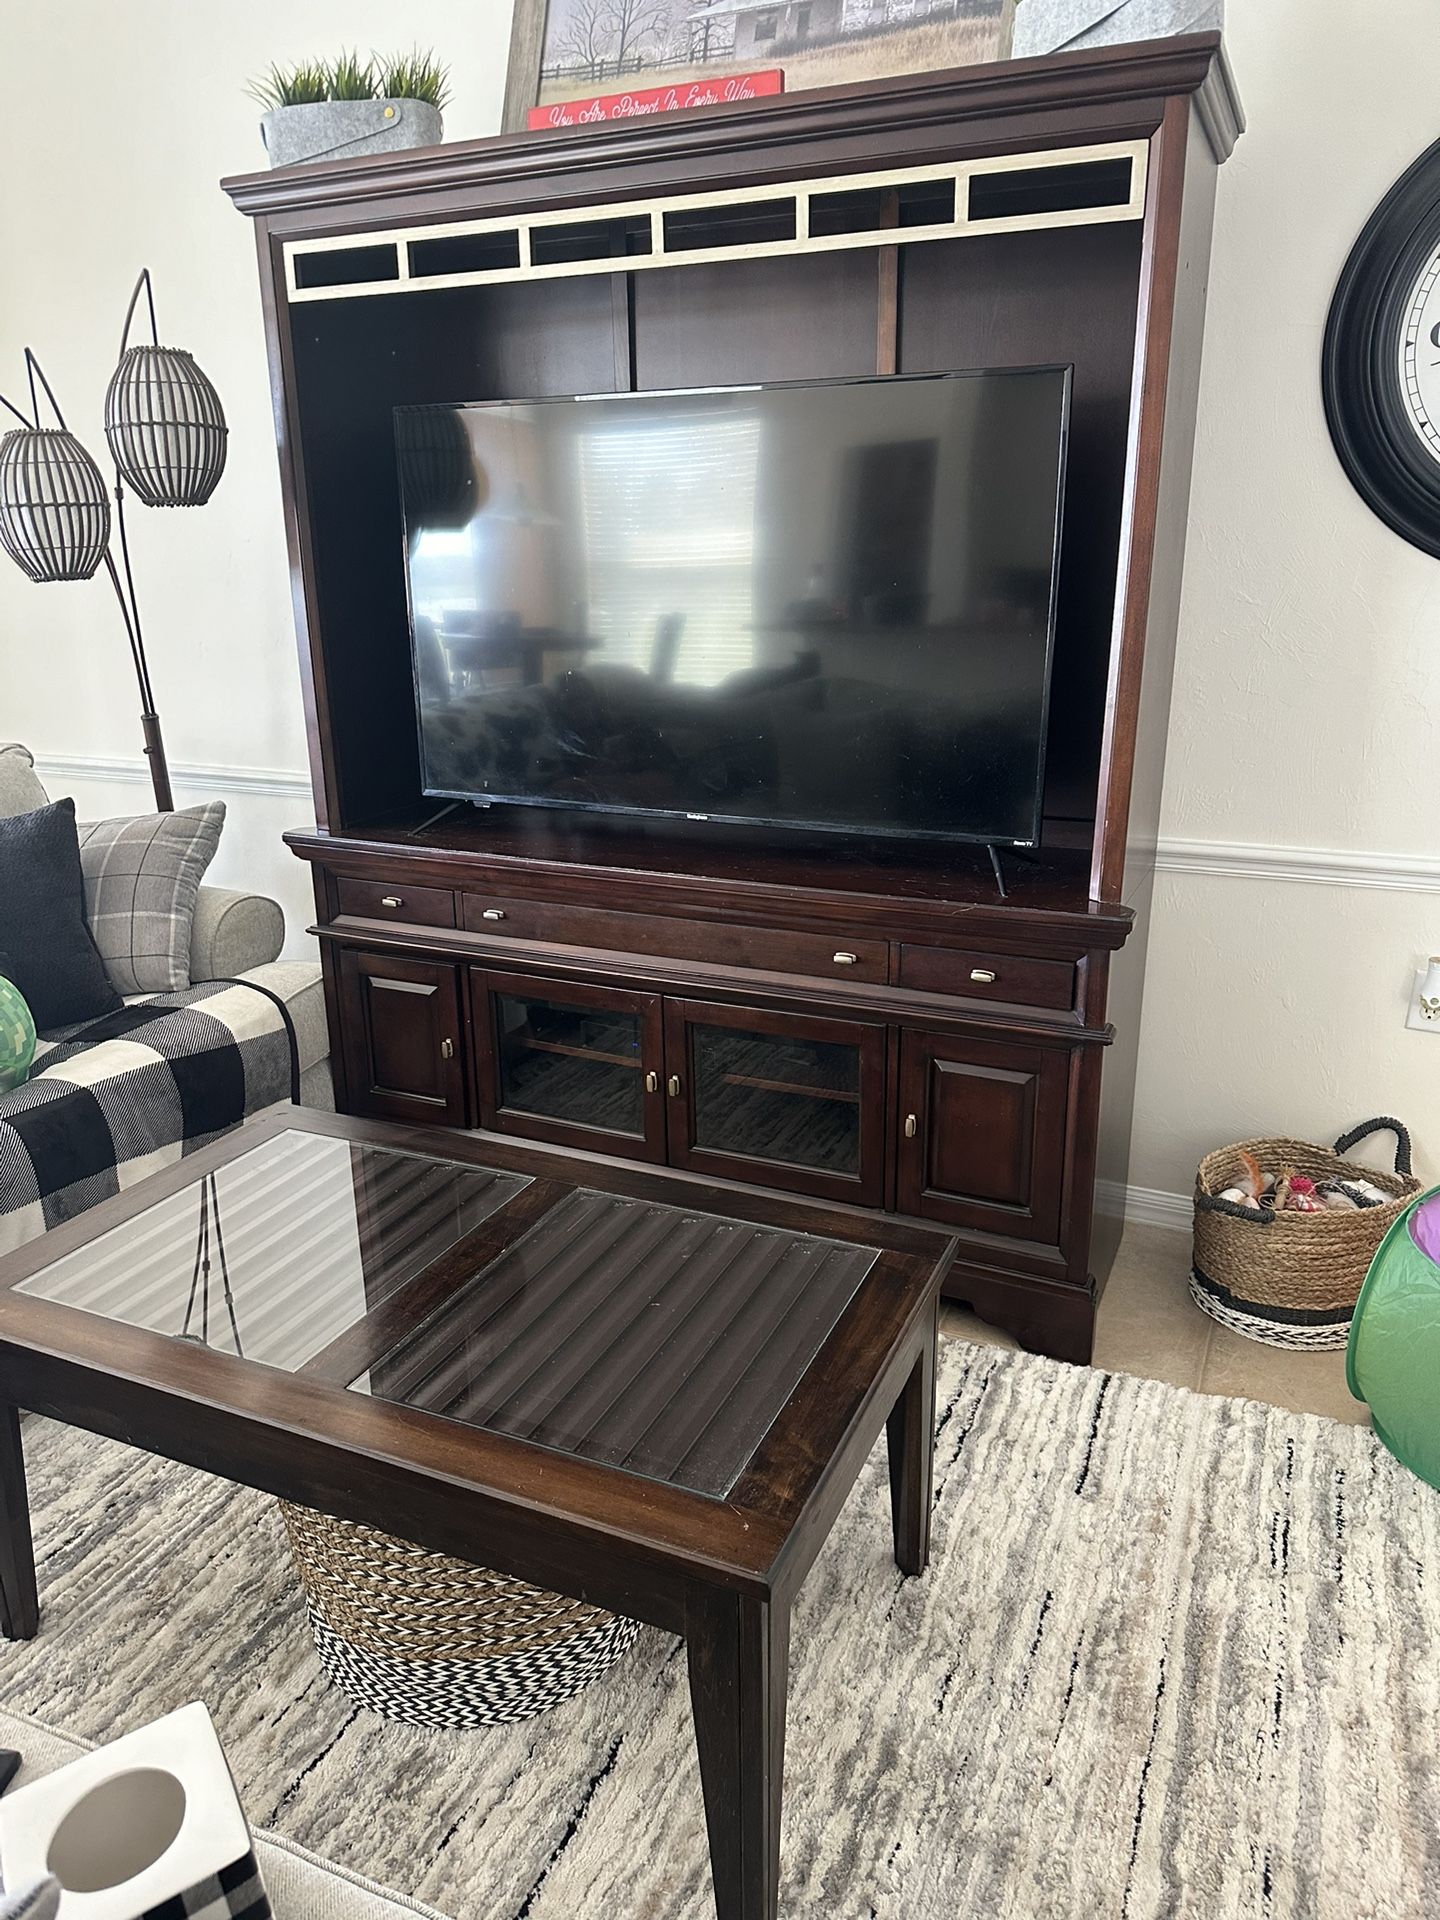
(1148, 1325)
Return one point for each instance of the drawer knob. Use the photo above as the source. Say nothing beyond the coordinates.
(391, 900)
(910, 1126)
(493, 913)
(847, 959)
(983, 976)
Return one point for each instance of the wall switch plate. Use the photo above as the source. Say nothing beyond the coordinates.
(1424, 1013)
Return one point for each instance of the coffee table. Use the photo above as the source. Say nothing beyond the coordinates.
(645, 1391)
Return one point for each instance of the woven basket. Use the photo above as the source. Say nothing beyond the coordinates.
(1291, 1279)
(436, 1642)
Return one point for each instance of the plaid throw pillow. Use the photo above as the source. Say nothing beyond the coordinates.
(141, 879)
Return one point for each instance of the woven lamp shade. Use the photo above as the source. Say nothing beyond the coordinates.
(443, 486)
(54, 510)
(166, 427)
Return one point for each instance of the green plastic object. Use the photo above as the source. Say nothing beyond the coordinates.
(17, 1037)
(1393, 1359)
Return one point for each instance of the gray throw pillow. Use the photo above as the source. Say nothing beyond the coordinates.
(20, 788)
(141, 879)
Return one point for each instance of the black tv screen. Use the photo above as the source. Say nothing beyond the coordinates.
(820, 606)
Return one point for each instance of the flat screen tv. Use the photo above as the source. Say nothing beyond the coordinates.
(816, 606)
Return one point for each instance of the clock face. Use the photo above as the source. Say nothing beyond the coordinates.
(1420, 357)
(1380, 369)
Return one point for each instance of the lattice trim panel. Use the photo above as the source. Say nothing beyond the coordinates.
(1062, 187)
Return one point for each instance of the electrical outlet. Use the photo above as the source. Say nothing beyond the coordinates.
(1424, 1014)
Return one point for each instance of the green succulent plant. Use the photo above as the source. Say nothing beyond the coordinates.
(413, 76)
(416, 75)
(300, 85)
(352, 79)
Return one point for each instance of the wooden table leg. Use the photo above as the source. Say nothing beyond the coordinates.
(910, 1432)
(739, 1655)
(19, 1604)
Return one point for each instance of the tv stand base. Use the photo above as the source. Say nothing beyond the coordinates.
(1058, 1321)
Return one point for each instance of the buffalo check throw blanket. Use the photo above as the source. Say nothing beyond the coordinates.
(120, 1097)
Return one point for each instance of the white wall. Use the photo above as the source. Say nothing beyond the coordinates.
(1308, 685)
(1307, 691)
(110, 155)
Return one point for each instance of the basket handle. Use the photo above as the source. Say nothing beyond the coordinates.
(1381, 1125)
(1253, 1216)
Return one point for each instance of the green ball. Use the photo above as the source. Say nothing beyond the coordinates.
(17, 1037)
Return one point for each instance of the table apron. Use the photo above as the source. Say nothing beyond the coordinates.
(586, 1561)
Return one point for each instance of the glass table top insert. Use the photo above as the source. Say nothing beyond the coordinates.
(312, 1234)
(651, 1338)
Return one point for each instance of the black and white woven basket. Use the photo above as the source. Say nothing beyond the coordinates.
(436, 1642)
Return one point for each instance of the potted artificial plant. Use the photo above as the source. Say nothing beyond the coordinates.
(320, 110)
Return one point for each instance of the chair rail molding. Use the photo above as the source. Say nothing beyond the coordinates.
(1315, 866)
(211, 778)
(1217, 859)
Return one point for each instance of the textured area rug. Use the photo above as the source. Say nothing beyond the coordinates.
(1174, 1656)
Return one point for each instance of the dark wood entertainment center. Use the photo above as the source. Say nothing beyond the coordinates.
(865, 1024)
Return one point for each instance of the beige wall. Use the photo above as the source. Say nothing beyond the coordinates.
(110, 154)
(1308, 685)
(1307, 693)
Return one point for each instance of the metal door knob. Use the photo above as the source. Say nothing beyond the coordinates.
(652, 1083)
(673, 1084)
(911, 1123)
(447, 1049)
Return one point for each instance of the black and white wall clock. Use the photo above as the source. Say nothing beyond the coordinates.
(1380, 370)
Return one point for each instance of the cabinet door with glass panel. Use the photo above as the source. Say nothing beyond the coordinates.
(780, 1099)
(580, 1066)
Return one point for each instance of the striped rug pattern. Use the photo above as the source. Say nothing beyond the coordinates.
(1175, 1655)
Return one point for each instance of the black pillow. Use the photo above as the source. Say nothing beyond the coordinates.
(45, 941)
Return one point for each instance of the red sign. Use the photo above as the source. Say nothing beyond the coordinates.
(640, 101)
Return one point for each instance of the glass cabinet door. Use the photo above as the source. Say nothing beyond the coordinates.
(576, 1065)
(777, 1098)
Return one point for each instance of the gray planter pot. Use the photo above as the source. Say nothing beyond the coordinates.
(336, 129)
(1055, 26)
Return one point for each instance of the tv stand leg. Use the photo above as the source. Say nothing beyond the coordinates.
(996, 868)
(435, 819)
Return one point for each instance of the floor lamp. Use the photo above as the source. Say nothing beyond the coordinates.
(167, 436)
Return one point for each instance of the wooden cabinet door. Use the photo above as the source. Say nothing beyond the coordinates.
(579, 1066)
(982, 1133)
(403, 1037)
(778, 1099)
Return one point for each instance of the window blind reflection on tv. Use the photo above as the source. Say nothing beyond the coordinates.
(820, 606)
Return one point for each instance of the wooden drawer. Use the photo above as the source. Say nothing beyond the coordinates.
(823, 955)
(988, 976)
(381, 900)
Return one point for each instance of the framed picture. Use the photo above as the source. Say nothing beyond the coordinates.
(571, 50)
